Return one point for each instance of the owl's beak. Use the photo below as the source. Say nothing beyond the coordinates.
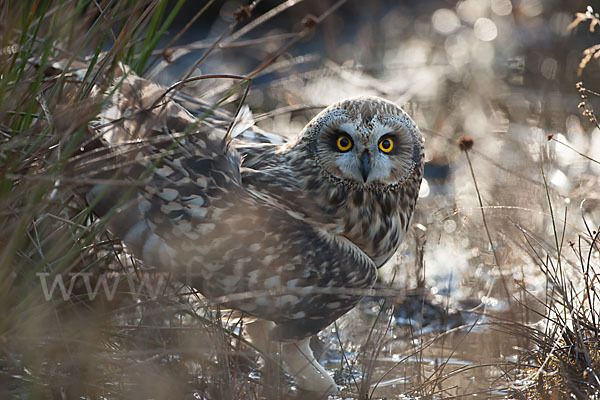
(365, 166)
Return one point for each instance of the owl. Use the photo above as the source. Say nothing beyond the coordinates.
(287, 232)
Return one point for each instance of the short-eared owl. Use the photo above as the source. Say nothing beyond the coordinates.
(284, 231)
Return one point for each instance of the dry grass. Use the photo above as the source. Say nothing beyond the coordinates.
(503, 254)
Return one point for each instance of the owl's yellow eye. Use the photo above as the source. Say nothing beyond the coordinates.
(344, 143)
(386, 145)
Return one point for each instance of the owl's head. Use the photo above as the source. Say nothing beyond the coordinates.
(367, 142)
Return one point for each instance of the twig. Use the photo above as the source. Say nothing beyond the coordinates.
(465, 144)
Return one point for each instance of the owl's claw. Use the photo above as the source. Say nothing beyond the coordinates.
(299, 361)
(296, 357)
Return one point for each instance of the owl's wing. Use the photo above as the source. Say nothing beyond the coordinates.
(245, 130)
(175, 193)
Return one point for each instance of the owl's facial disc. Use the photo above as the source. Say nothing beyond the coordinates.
(353, 161)
(366, 141)
(380, 155)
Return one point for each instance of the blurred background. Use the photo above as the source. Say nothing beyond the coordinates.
(482, 303)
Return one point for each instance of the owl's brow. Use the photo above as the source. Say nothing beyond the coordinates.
(338, 132)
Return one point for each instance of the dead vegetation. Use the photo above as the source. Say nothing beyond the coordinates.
(504, 252)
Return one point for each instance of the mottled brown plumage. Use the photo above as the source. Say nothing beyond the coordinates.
(257, 224)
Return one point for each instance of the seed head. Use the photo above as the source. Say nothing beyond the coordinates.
(243, 13)
(465, 143)
(310, 21)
